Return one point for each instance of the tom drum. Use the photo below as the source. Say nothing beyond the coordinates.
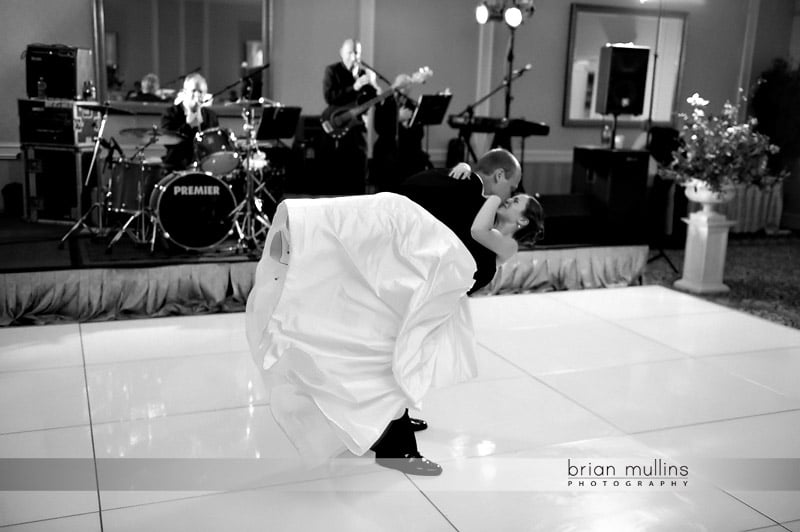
(216, 151)
(131, 184)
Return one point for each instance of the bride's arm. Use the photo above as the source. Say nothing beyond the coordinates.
(484, 233)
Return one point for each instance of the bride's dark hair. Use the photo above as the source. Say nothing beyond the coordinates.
(534, 230)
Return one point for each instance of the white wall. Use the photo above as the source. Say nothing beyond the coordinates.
(24, 22)
(307, 37)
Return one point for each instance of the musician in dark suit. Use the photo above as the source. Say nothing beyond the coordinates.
(185, 118)
(397, 153)
(346, 84)
(456, 202)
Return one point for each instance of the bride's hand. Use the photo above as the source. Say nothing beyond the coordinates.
(461, 171)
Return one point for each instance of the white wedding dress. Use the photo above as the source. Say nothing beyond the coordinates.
(359, 307)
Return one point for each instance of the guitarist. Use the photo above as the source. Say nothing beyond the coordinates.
(346, 84)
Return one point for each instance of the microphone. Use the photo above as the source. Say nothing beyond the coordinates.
(117, 147)
(520, 71)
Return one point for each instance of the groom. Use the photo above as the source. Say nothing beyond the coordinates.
(454, 202)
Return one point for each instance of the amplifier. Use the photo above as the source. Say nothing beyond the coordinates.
(54, 178)
(58, 71)
(56, 122)
(616, 180)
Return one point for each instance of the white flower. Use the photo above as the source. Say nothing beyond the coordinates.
(696, 101)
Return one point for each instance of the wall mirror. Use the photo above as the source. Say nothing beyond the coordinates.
(221, 39)
(591, 27)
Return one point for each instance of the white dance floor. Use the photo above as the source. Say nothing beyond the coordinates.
(629, 409)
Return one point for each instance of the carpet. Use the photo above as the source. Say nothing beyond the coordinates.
(763, 273)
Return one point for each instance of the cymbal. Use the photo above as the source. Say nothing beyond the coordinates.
(156, 135)
(261, 102)
(93, 106)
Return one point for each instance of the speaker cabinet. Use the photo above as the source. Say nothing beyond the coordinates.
(54, 179)
(621, 80)
(308, 173)
(62, 70)
(60, 122)
(616, 180)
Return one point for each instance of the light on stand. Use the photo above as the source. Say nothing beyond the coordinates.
(514, 13)
(513, 17)
(655, 65)
(482, 14)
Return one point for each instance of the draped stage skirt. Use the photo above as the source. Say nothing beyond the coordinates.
(359, 307)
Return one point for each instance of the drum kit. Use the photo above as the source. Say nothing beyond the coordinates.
(221, 194)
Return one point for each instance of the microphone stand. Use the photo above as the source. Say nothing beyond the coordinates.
(509, 71)
(469, 111)
(176, 80)
(100, 203)
(240, 80)
(249, 220)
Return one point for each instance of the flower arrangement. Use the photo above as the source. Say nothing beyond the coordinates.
(720, 150)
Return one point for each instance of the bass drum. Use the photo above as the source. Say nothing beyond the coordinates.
(193, 209)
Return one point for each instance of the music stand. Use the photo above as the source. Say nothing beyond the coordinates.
(278, 122)
(430, 110)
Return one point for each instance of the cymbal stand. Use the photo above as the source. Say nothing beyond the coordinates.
(250, 222)
(100, 204)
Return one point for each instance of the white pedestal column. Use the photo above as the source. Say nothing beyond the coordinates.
(706, 245)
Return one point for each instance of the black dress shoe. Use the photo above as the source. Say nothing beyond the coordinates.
(417, 424)
(411, 464)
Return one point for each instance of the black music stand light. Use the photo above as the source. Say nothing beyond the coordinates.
(278, 122)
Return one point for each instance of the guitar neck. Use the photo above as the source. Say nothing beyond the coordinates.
(372, 101)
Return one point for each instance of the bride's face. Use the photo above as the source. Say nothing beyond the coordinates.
(513, 209)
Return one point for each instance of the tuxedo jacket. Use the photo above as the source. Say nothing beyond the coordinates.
(455, 203)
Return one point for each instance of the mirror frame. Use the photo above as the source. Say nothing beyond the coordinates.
(660, 15)
(98, 38)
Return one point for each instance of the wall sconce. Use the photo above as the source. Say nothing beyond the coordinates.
(513, 12)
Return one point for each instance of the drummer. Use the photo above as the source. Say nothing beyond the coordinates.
(189, 115)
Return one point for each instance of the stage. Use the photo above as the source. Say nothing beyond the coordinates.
(41, 282)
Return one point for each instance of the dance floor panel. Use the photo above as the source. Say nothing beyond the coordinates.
(164, 424)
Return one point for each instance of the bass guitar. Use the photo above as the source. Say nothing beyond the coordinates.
(338, 120)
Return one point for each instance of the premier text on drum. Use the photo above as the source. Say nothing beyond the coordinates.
(197, 190)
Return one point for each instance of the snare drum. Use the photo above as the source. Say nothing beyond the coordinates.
(193, 209)
(216, 150)
(131, 184)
